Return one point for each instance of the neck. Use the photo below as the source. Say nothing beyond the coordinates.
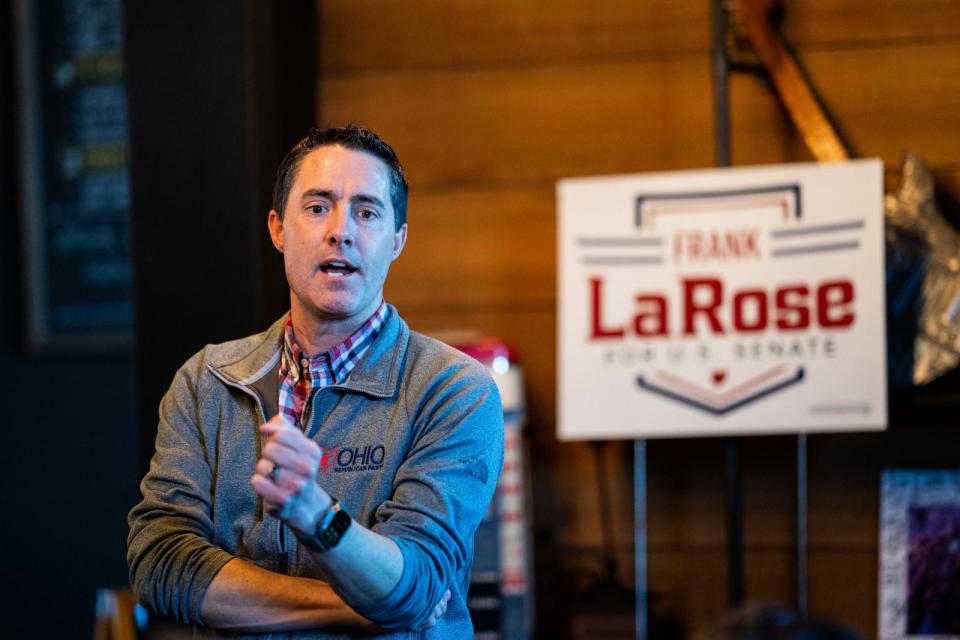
(317, 334)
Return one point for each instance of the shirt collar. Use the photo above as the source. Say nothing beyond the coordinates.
(340, 359)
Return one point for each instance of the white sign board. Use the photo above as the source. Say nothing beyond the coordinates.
(724, 301)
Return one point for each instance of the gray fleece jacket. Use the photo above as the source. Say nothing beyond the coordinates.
(413, 444)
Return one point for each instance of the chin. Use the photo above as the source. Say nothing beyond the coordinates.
(334, 304)
(338, 308)
(335, 311)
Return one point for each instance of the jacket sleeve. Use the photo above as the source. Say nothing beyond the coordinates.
(441, 492)
(169, 550)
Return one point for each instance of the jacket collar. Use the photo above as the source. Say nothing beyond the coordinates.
(377, 373)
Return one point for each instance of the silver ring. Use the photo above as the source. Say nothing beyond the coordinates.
(274, 473)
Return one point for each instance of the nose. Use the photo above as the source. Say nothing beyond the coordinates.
(340, 228)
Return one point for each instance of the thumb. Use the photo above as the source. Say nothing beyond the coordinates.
(273, 424)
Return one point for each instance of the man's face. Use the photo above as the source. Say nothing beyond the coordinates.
(337, 235)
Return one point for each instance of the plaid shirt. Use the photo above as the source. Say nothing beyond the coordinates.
(301, 374)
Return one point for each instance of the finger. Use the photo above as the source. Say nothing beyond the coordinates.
(287, 479)
(274, 509)
(290, 460)
(270, 491)
(295, 440)
(280, 422)
(432, 620)
(441, 607)
(437, 613)
(278, 510)
(274, 424)
(279, 476)
(264, 468)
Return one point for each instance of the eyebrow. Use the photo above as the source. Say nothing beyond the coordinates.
(368, 199)
(330, 195)
(318, 193)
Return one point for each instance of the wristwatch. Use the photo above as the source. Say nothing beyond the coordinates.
(329, 530)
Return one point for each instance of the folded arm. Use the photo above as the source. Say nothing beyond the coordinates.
(245, 597)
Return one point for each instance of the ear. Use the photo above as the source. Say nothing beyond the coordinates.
(399, 241)
(275, 226)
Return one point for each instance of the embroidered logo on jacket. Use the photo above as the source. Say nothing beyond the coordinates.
(344, 459)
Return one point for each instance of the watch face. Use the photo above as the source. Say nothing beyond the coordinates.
(330, 536)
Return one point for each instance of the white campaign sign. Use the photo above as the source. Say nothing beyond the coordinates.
(719, 302)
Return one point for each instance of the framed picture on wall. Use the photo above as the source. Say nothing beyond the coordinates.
(74, 183)
(920, 554)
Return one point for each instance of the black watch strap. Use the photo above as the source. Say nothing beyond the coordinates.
(329, 530)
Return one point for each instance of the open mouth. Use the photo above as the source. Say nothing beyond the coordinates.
(338, 268)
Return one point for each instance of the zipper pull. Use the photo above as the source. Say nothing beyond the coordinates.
(282, 539)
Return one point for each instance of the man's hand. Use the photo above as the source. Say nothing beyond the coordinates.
(438, 612)
(286, 476)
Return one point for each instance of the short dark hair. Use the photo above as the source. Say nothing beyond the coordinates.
(351, 137)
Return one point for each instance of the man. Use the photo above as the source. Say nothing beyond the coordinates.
(326, 476)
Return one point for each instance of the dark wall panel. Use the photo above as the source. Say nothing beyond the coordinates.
(68, 443)
(213, 108)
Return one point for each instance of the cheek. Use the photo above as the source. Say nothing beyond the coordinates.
(297, 250)
(295, 261)
(386, 259)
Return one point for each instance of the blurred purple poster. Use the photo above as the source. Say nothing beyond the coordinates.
(920, 555)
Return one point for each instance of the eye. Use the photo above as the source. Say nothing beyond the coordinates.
(317, 208)
(367, 214)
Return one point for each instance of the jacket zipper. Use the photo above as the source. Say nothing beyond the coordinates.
(281, 535)
(282, 539)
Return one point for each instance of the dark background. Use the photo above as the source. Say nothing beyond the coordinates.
(214, 102)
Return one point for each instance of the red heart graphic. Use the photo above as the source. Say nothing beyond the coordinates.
(719, 376)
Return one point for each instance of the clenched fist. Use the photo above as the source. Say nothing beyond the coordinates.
(286, 476)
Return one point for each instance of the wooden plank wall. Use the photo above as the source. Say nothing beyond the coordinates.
(488, 103)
